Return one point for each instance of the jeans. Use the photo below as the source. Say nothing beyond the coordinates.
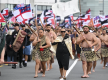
(9, 59)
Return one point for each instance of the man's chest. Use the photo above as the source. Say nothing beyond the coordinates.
(88, 37)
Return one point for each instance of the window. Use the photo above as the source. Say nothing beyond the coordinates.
(44, 8)
(10, 6)
(39, 7)
(49, 7)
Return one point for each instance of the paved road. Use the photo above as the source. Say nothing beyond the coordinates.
(7, 73)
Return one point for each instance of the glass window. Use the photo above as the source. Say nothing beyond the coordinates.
(49, 7)
(39, 7)
(11, 7)
(44, 7)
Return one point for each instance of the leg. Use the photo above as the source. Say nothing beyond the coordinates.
(36, 67)
(14, 59)
(8, 59)
(89, 66)
(26, 58)
(105, 59)
(64, 72)
(51, 61)
(43, 67)
(78, 55)
(94, 65)
(2, 56)
(61, 72)
(48, 62)
(84, 65)
(20, 57)
(101, 59)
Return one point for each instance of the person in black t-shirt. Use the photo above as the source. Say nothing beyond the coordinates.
(26, 50)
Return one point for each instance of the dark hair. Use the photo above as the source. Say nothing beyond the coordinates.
(41, 29)
(22, 25)
(103, 29)
(39, 24)
(16, 24)
(48, 25)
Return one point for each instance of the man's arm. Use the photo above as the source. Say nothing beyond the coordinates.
(79, 39)
(106, 42)
(32, 37)
(55, 36)
(94, 39)
(99, 45)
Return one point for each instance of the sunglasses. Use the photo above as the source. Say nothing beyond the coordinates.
(63, 31)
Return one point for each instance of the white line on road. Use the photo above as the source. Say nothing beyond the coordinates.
(72, 66)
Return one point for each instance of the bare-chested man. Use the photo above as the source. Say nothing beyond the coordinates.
(87, 56)
(104, 48)
(52, 36)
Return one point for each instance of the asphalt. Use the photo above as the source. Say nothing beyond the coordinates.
(27, 73)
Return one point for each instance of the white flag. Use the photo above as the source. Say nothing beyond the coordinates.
(64, 9)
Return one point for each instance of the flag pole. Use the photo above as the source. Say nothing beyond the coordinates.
(80, 11)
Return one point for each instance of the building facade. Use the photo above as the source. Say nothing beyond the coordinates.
(97, 6)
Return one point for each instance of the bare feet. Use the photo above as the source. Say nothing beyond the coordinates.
(35, 76)
(93, 70)
(89, 72)
(84, 76)
(43, 75)
(87, 76)
(101, 62)
(60, 77)
(39, 71)
(103, 67)
(48, 69)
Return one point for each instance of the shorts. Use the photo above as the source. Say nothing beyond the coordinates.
(27, 50)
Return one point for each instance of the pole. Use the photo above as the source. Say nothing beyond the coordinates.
(25, 2)
(36, 11)
(103, 7)
(80, 11)
(0, 6)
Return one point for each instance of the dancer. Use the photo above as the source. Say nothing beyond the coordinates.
(87, 56)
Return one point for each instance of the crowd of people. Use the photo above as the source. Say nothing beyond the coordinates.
(60, 42)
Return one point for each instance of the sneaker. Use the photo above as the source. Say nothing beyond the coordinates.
(106, 65)
(23, 62)
(20, 65)
(14, 66)
(25, 65)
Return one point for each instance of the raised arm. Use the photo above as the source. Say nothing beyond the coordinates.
(79, 39)
(35, 41)
(32, 37)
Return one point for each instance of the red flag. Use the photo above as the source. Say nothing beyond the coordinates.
(5, 12)
(2, 18)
